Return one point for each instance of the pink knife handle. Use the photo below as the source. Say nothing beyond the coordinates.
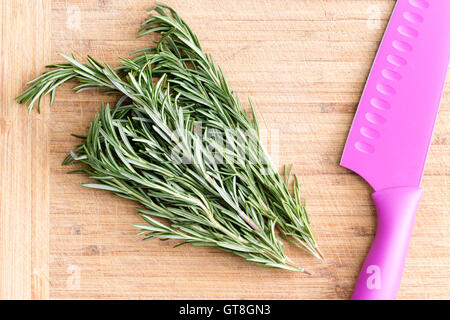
(382, 271)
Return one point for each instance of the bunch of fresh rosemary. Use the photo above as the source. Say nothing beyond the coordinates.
(178, 142)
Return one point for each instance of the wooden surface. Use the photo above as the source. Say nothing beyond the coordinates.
(304, 63)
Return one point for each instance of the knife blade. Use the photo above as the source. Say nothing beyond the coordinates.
(392, 129)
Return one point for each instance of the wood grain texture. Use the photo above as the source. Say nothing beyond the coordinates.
(304, 63)
(24, 154)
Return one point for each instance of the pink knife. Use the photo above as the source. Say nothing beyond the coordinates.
(391, 133)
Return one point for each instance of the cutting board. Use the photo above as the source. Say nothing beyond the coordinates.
(304, 63)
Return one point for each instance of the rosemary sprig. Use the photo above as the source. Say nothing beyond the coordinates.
(211, 198)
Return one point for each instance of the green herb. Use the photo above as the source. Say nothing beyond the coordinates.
(178, 142)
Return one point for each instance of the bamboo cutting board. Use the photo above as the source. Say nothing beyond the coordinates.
(304, 63)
